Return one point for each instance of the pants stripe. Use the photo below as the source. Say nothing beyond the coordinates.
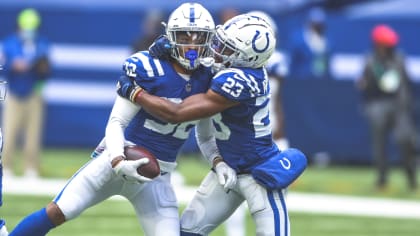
(276, 213)
(285, 215)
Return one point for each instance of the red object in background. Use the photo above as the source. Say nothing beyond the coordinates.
(385, 36)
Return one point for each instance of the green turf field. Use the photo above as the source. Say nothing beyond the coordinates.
(113, 218)
(117, 218)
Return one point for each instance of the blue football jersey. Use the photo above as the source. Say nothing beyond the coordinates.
(243, 132)
(159, 78)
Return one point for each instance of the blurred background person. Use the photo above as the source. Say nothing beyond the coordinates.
(151, 28)
(26, 69)
(310, 49)
(388, 104)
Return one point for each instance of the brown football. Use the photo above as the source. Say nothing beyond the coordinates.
(149, 170)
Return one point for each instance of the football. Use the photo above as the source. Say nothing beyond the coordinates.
(150, 170)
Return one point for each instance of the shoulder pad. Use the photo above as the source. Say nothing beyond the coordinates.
(142, 65)
(237, 84)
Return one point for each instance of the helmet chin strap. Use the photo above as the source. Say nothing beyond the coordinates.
(191, 55)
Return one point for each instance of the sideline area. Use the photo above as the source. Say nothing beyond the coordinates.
(297, 202)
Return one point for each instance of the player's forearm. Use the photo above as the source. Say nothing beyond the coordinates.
(158, 107)
(122, 113)
(172, 112)
(206, 140)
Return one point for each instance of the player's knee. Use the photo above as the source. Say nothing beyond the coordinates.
(193, 221)
(55, 214)
(189, 219)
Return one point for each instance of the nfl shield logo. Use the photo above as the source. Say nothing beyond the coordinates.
(188, 87)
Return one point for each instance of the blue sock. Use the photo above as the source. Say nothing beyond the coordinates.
(35, 224)
(184, 234)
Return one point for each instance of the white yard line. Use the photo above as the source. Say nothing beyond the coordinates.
(357, 206)
(297, 202)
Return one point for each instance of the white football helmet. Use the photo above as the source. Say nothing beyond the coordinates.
(266, 17)
(189, 29)
(243, 41)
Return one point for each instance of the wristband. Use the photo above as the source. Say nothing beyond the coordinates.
(217, 160)
(117, 160)
(136, 92)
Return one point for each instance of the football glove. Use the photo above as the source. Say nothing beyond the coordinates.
(128, 170)
(225, 175)
(128, 88)
(161, 48)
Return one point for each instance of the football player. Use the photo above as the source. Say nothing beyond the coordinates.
(3, 229)
(189, 28)
(238, 100)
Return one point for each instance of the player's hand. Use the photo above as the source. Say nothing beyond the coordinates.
(161, 48)
(128, 170)
(225, 175)
(128, 88)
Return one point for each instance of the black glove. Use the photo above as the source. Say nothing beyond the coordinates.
(161, 48)
(128, 88)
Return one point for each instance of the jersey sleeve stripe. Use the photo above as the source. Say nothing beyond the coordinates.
(146, 64)
(158, 67)
(250, 81)
(255, 84)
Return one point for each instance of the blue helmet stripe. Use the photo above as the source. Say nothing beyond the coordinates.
(192, 18)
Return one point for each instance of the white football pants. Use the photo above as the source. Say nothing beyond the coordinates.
(155, 202)
(211, 206)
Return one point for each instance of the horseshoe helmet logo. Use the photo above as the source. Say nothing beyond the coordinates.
(254, 46)
(285, 163)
